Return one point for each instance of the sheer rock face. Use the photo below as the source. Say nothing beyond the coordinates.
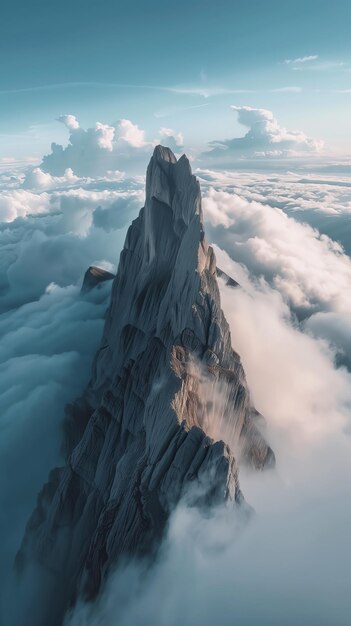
(166, 387)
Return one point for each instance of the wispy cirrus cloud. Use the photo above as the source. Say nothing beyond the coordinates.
(207, 92)
(313, 62)
(323, 66)
(289, 89)
(299, 60)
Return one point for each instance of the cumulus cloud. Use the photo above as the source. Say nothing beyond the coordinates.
(131, 134)
(265, 138)
(96, 151)
(37, 179)
(170, 138)
(70, 121)
(19, 203)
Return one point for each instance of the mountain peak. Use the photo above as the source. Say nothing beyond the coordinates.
(167, 407)
(162, 153)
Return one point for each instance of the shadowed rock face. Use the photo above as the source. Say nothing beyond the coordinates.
(166, 387)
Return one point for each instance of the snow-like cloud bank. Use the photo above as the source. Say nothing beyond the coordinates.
(104, 148)
(309, 268)
(322, 201)
(264, 139)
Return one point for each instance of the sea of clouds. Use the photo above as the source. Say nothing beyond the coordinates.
(285, 237)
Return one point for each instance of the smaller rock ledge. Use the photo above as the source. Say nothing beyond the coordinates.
(93, 277)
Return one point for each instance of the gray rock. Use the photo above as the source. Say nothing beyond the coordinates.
(166, 388)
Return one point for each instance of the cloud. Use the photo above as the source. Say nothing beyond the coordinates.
(116, 215)
(70, 121)
(322, 201)
(19, 203)
(55, 235)
(96, 151)
(46, 352)
(309, 268)
(131, 134)
(206, 92)
(336, 328)
(265, 138)
(298, 60)
(291, 89)
(323, 66)
(37, 179)
(170, 138)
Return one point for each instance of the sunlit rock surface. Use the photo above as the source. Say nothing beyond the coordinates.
(166, 390)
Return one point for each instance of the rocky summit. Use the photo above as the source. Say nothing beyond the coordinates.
(167, 413)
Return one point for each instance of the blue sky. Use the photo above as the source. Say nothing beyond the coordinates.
(177, 64)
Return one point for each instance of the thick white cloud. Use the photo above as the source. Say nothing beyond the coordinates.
(37, 179)
(19, 203)
(131, 134)
(310, 269)
(171, 139)
(103, 148)
(69, 120)
(265, 138)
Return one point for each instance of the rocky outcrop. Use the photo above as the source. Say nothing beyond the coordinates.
(94, 276)
(166, 409)
(229, 281)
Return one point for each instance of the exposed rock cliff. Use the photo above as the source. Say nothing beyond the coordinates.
(166, 387)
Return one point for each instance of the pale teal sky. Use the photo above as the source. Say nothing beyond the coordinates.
(154, 62)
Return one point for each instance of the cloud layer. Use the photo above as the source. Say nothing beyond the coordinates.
(278, 236)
